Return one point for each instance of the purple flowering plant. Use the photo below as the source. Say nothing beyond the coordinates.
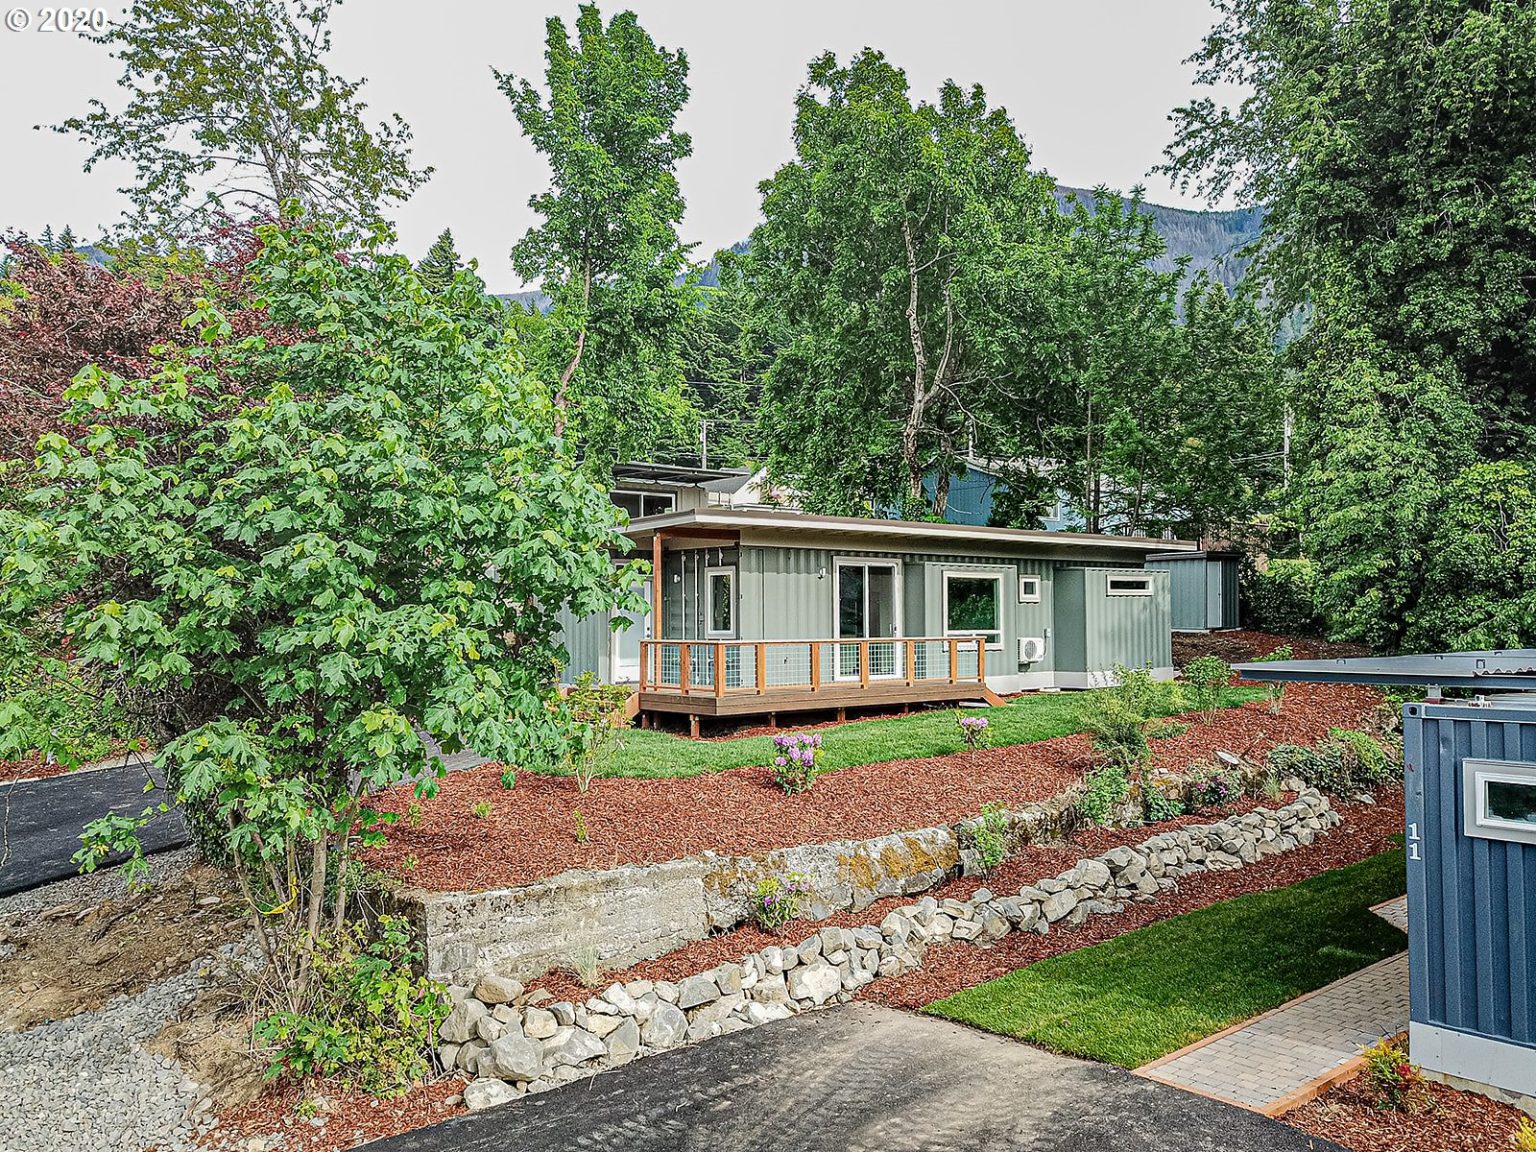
(795, 755)
(974, 729)
(777, 899)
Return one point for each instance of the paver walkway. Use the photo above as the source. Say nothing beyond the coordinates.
(1279, 1060)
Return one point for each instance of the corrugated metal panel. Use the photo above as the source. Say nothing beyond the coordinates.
(1471, 901)
(589, 642)
(1188, 590)
(1135, 631)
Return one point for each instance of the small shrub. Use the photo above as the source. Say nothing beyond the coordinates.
(597, 711)
(1391, 1080)
(579, 825)
(1162, 798)
(1524, 1138)
(1368, 759)
(410, 862)
(509, 778)
(776, 900)
(1283, 598)
(1207, 677)
(584, 965)
(1325, 767)
(795, 756)
(480, 809)
(974, 729)
(1105, 790)
(989, 837)
(413, 814)
(1214, 790)
(371, 1022)
(1166, 729)
(1274, 690)
(1117, 718)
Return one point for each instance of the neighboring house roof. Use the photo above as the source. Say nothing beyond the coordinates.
(677, 473)
(774, 520)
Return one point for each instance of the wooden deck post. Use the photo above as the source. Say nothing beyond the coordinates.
(719, 669)
(693, 725)
(762, 667)
(815, 666)
(684, 673)
(911, 662)
(656, 585)
(981, 659)
(863, 663)
(645, 661)
(954, 661)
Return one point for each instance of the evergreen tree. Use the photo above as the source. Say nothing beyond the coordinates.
(438, 266)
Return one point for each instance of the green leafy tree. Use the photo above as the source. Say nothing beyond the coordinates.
(441, 264)
(607, 250)
(725, 352)
(1392, 145)
(306, 547)
(232, 106)
(1479, 579)
(897, 256)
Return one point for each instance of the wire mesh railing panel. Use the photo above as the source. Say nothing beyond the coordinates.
(787, 665)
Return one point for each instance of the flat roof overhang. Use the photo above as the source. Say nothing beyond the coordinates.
(744, 523)
(1498, 669)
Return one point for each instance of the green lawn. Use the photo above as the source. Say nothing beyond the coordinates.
(1154, 990)
(652, 754)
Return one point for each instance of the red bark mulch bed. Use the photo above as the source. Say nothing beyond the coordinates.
(32, 768)
(1449, 1121)
(529, 832)
(349, 1118)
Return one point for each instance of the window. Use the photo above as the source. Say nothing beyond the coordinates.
(1500, 800)
(973, 605)
(721, 606)
(638, 504)
(1130, 586)
(1029, 589)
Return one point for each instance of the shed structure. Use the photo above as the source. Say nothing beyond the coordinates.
(1470, 789)
(1202, 588)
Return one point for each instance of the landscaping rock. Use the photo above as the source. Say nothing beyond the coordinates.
(619, 998)
(815, 982)
(541, 1024)
(572, 1046)
(482, 1094)
(513, 1057)
(459, 1025)
(624, 1044)
(696, 990)
(497, 990)
(666, 1028)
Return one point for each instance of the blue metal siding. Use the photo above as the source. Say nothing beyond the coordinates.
(1471, 901)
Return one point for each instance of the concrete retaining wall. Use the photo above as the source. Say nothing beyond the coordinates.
(619, 916)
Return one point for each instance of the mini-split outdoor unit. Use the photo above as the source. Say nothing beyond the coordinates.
(1031, 649)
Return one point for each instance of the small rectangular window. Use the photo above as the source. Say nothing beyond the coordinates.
(638, 504)
(1029, 589)
(721, 607)
(1499, 800)
(1130, 586)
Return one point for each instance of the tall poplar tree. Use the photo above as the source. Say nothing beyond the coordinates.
(606, 250)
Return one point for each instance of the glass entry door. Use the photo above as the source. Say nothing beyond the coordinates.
(868, 608)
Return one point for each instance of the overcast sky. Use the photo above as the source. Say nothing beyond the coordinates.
(1088, 82)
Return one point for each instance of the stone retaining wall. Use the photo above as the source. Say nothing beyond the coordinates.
(616, 917)
(512, 1042)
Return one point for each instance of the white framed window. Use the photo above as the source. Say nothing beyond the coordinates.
(973, 605)
(1129, 586)
(1500, 800)
(638, 504)
(1029, 589)
(720, 601)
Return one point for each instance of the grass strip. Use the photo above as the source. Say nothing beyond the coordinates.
(1154, 990)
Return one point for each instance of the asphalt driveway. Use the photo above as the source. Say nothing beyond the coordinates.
(861, 1079)
(40, 820)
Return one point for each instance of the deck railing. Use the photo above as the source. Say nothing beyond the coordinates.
(729, 667)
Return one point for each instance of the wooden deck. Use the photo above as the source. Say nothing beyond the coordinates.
(742, 678)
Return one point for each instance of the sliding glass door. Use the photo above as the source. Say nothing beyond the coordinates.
(868, 608)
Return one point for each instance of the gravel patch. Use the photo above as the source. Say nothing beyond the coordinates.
(87, 1082)
(94, 887)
